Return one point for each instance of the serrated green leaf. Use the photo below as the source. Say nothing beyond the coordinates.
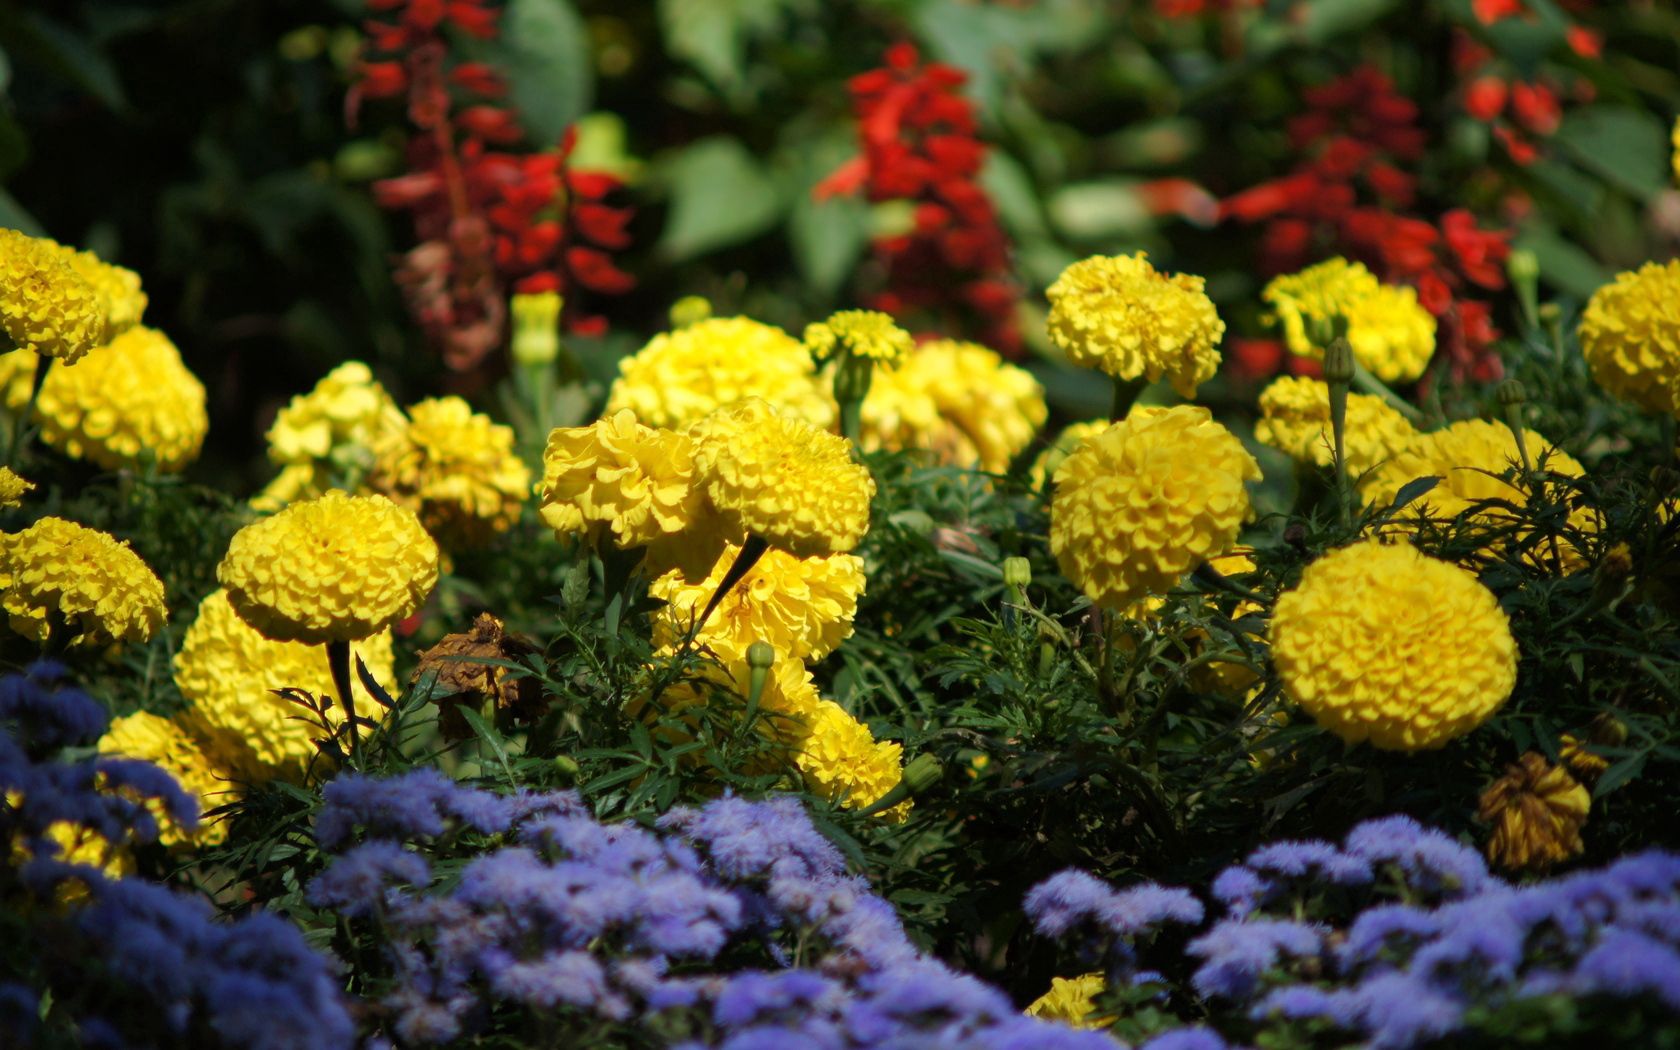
(720, 196)
(1626, 147)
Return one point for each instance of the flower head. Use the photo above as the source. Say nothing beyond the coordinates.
(843, 762)
(801, 607)
(1381, 643)
(455, 469)
(1072, 1000)
(771, 475)
(46, 306)
(1295, 417)
(681, 377)
(1390, 332)
(133, 398)
(1537, 811)
(636, 482)
(228, 672)
(1630, 336)
(125, 302)
(859, 333)
(334, 568)
(167, 743)
(13, 488)
(1146, 501)
(962, 401)
(1119, 314)
(329, 430)
(56, 572)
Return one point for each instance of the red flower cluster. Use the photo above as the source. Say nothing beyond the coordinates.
(1350, 194)
(1520, 112)
(919, 145)
(1197, 8)
(489, 220)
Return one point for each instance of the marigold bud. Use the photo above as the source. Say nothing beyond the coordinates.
(1017, 572)
(690, 309)
(536, 331)
(1338, 362)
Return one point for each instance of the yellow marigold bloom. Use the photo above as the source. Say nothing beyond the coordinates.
(1072, 1001)
(786, 703)
(900, 413)
(1537, 811)
(46, 307)
(228, 671)
(332, 428)
(1389, 331)
(1148, 499)
(996, 407)
(125, 302)
(1119, 314)
(334, 568)
(77, 844)
(681, 377)
(455, 469)
(13, 488)
(859, 333)
(771, 475)
(1381, 643)
(1067, 442)
(136, 396)
(58, 575)
(1470, 458)
(844, 763)
(1630, 336)
(801, 607)
(1295, 418)
(167, 744)
(634, 481)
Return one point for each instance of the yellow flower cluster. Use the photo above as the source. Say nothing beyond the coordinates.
(1389, 331)
(1067, 442)
(1148, 499)
(228, 671)
(681, 377)
(58, 575)
(636, 482)
(1119, 314)
(1537, 811)
(961, 401)
(133, 398)
(455, 469)
(329, 431)
(46, 306)
(801, 607)
(843, 762)
(1470, 458)
(774, 476)
(1295, 418)
(1380, 643)
(334, 568)
(1630, 336)
(859, 333)
(1072, 1001)
(125, 302)
(167, 744)
(13, 488)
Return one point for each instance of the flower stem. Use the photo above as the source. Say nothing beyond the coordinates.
(20, 422)
(338, 661)
(1372, 385)
(1126, 392)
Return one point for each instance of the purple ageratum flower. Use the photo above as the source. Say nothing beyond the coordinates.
(745, 840)
(754, 997)
(870, 930)
(1480, 940)
(1301, 1002)
(571, 978)
(1139, 909)
(1629, 964)
(1240, 889)
(1236, 953)
(49, 716)
(1431, 861)
(1027, 1033)
(1188, 1039)
(356, 881)
(414, 805)
(927, 994)
(1383, 928)
(1065, 901)
(1396, 1011)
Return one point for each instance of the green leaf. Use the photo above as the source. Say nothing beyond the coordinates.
(543, 50)
(827, 237)
(712, 35)
(76, 58)
(1564, 265)
(1619, 774)
(14, 217)
(1627, 147)
(487, 734)
(720, 196)
(1092, 211)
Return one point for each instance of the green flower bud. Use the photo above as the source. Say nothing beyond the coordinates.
(690, 309)
(536, 328)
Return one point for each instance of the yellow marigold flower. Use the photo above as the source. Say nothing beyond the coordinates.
(136, 396)
(1295, 418)
(1067, 442)
(228, 672)
(771, 475)
(46, 307)
(900, 413)
(859, 333)
(455, 469)
(994, 405)
(1630, 336)
(1470, 458)
(683, 376)
(1119, 314)
(636, 482)
(334, 568)
(1072, 1001)
(58, 575)
(1381, 643)
(801, 607)
(77, 844)
(332, 429)
(167, 744)
(1537, 811)
(844, 763)
(13, 488)
(125, 302)
(786, 703)
(1148, 499)
(1389, 331)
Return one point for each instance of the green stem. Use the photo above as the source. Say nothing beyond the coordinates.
(20, 422)
(338, 661)
(1372, 385)
(1126, 393)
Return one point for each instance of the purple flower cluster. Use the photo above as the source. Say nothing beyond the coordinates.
(126, 949)
(734, 924)
(1435, 945)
